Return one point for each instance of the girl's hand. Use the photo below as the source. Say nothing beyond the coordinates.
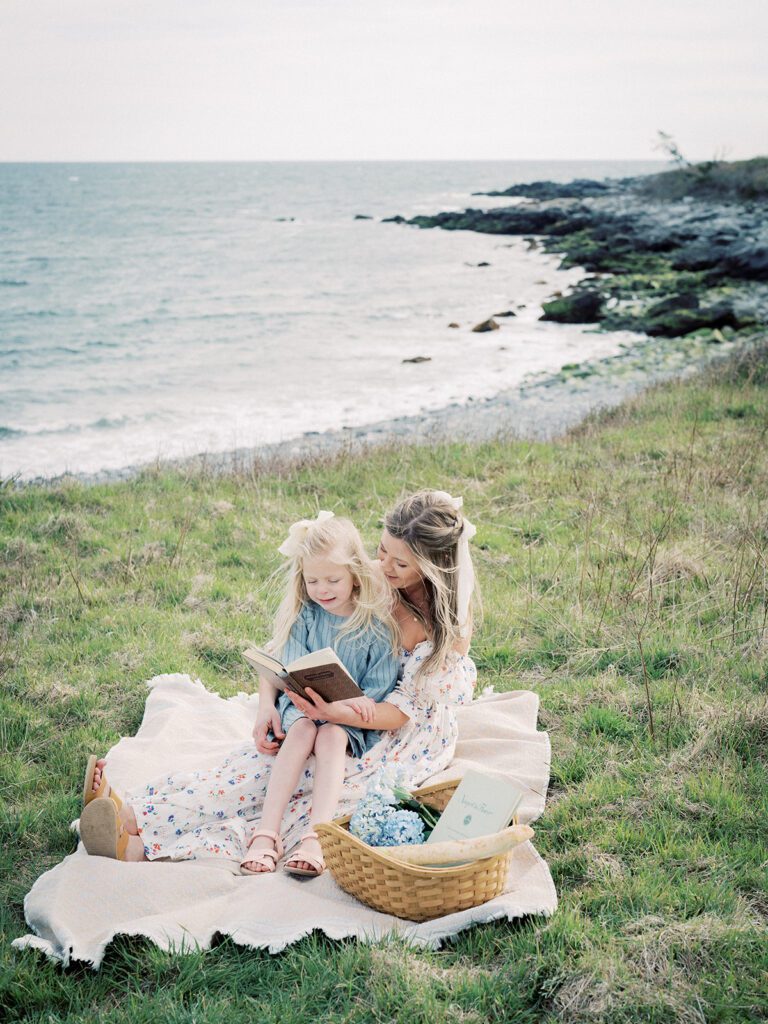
(363, 706)
(266, 720)
(316, 708)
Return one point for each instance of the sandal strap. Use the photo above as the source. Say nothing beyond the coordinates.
(122, 842)
(310, 858)
(115, 798)
(257, 857)
(274, 836)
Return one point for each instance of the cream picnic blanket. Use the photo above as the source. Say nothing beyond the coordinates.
(78, 907)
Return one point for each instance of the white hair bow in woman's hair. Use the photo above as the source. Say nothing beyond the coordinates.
(298, 532)
(465, 571)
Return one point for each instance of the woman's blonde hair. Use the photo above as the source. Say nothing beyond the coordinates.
(339, 541)
(431, 527)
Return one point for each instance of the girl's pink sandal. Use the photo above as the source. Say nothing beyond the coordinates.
(257, 857)
(297, 856)
(89, 793)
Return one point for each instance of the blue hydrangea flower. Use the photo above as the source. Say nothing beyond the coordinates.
(400, 828)
(377, 821)
(384, 782)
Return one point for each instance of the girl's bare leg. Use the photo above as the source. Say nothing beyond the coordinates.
(289, 763)
(330, 754)
(134, 851)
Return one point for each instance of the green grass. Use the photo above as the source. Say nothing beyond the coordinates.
(735, 180)
(625, 579)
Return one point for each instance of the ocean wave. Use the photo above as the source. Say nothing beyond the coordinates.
(47, 350)
(103, 423)
(39, 314)
(43, 351)
(162, 319)
(8, 282)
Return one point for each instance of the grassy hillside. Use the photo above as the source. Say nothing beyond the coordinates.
(735, 180)
(625, 579)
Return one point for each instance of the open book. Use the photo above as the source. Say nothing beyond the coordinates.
(322, 671)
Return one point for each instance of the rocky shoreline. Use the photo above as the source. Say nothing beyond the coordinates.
(676, 258)
(671, 255)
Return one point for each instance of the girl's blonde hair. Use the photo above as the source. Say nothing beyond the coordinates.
(338, 540)
(431, 527)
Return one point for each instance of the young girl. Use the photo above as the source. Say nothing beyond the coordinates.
(334, 598)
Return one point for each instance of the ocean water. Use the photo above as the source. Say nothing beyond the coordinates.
(161, 310)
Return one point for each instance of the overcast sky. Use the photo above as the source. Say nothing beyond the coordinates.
(380, 79)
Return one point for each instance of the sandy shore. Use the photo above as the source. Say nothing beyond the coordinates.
(542, 408)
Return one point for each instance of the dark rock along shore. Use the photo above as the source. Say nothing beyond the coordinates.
(673, 254)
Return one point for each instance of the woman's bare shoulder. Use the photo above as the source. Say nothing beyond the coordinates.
(410, 628)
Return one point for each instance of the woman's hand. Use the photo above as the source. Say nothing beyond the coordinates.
(316, 708)
(266, 720)
(385, 716)
(363, 706)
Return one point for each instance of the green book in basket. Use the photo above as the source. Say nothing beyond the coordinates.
(481, 805)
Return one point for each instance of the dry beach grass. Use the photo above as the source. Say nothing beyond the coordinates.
(625, 579)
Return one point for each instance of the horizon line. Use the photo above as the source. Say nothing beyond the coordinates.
(341, 160)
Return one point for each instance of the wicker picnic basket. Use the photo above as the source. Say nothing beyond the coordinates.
(406, 890)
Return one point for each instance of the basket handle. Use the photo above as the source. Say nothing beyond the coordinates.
(453, 850)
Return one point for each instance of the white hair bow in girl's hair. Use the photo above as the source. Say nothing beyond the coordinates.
(465, 571)
(298, 532)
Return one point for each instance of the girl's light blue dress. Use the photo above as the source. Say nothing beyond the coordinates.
(367, 656)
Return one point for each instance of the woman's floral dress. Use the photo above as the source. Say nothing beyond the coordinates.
(213, 812)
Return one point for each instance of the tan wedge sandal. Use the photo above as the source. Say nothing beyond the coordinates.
(257, 857)
(318, 864)
(101, 831)
(89, 793)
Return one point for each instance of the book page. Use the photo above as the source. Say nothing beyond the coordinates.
(256, 656)
(318, 659)
(267, 667)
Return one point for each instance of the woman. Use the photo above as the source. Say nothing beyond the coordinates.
(424, 555)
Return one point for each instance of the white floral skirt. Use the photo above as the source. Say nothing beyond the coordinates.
(213, 812)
